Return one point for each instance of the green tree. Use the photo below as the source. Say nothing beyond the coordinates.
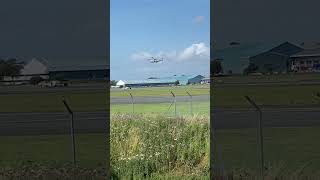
(36, 80)
(10, 67)
(113, 82)
(58, 77)
(216, 67)
(176, 83)
(252, 68)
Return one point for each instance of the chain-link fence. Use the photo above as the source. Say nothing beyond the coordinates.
(264, 141)
(62, 137)
(170, 105)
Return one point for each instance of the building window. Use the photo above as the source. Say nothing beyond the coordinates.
(316, 62)
(301, 62)
(308, 62)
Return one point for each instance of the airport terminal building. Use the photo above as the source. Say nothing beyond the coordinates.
(145, 83)
(306, 61)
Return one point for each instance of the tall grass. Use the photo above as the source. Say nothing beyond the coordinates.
(274, 171)
(155, 147)
(36, 171)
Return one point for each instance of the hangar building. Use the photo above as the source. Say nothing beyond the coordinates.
(145, 83)
(167, 81)
(78, 72)
(39, 67)
(236, 57)
(195, 80)
(277, 59)
(306, 61)
(205, 80)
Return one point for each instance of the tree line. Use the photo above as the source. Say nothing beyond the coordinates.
(217, 68)
(10, 67)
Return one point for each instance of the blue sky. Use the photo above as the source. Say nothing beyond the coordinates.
(178, 31)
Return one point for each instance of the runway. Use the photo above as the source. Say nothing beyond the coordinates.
(96, 122)
(52, 123)
(271, 117)
(28, 89)
(268, 83)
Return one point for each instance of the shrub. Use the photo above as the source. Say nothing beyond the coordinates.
(36, 80)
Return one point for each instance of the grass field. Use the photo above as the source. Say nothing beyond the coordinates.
(53, 150)
(163, 91)
(183, 108)
(274, 78)
(83, 101)
(157, 147)
(52, 102)
(266, 95)
(223, 97)
(292, 148)
(286, 96)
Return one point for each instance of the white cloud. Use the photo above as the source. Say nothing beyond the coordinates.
(141, 55)
(195, 51)
(198, 19)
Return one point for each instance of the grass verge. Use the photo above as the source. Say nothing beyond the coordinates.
(36, 171)
(163, 91)
(276, 171)
(294, 148)
(183, 108)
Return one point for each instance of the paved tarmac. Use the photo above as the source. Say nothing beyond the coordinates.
(271, 117)
(52, 123)
(28, 89)
(268, 83)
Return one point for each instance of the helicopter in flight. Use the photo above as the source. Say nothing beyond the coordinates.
(155, 60)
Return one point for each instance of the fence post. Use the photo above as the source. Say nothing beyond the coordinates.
(259, 134)
(175, 104)
(132, 103)
(72, 130)
(191, 108)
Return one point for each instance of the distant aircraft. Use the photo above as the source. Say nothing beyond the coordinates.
(155, 60)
